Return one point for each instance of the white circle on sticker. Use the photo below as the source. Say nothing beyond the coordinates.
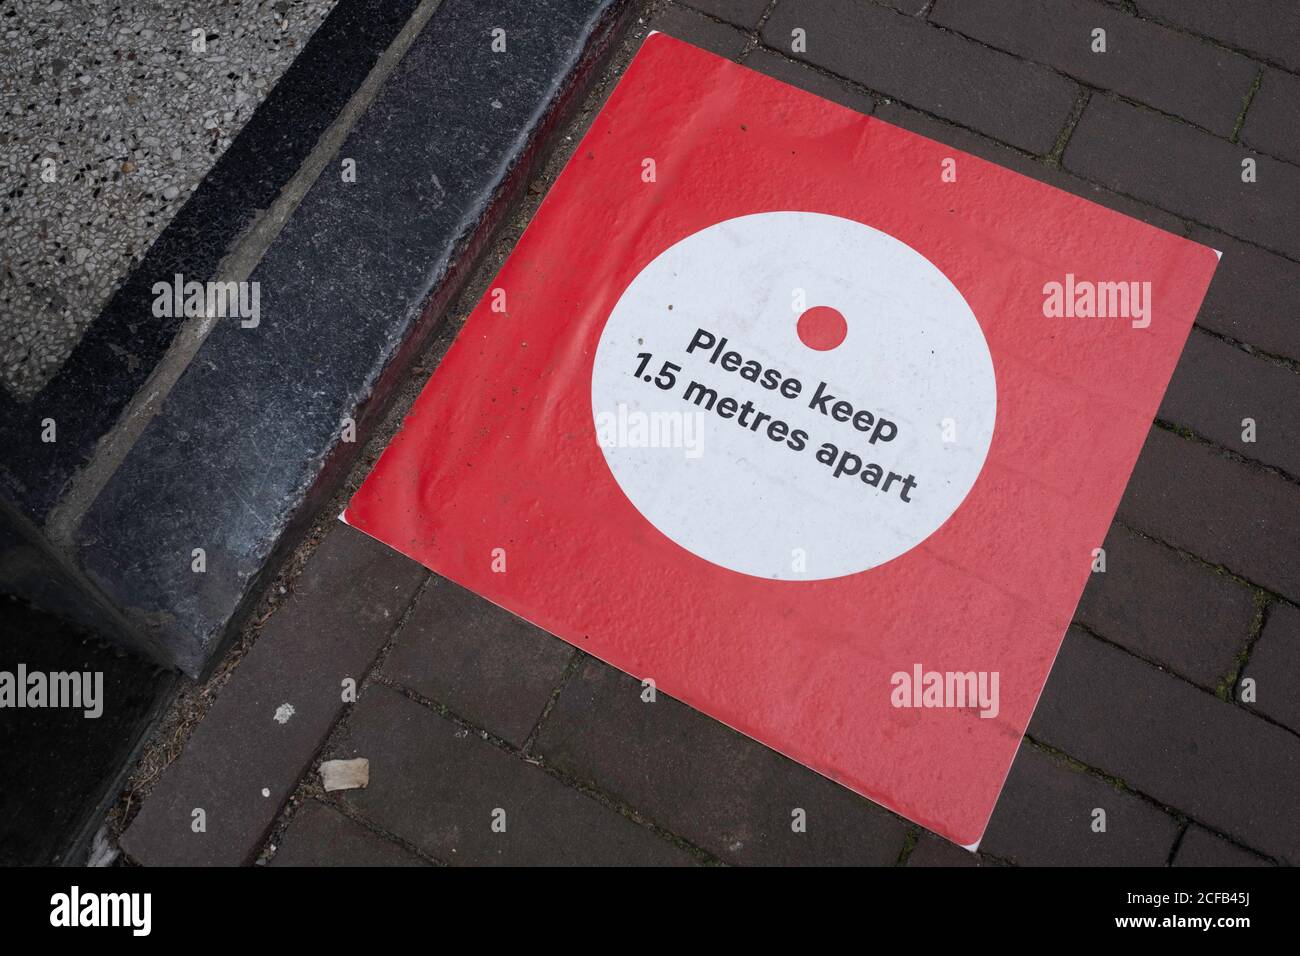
(793, 395)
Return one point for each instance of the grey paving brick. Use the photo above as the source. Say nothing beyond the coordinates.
(1273, 120)
(933, 851)
(1200, 847)
(437, 785)
(319, 835)
(1275, 666)
(1228, 512)
(1005, 97)
(701, 31)
(482, 662)
(995, 152)
(1217, 386)
(1270, 28)
(1144, 61)
(1252, 298)
(1187, 171)
(742, 13)
(806, 78)
(1199, 755)
(344, 606)
(1168, 608)
(702, 780)
(1045, 816)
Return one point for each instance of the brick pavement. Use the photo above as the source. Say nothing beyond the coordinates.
(467, 712)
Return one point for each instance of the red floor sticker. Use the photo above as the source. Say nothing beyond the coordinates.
(813, 422)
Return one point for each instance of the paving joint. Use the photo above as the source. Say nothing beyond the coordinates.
(1063, 140)
(1191, 435)
(1228, 689)
(1119, 784)
(910, 841)
(1158, 665)
(361, 820)
(1178, 842)
(1245, 106)
(1258, 57)
(1222, 691)
(1186, 218)
(575, 661)
(821, 71)
(1217, 568)
(1288, 363)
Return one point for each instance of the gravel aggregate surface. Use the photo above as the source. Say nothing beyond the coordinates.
(111, 113)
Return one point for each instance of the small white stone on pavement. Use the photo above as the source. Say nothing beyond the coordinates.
(345, 774)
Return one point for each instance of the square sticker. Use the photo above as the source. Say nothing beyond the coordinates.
(815, 423)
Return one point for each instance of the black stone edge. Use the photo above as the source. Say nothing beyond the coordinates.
(124, 344)
(195, 644)
(81, 840)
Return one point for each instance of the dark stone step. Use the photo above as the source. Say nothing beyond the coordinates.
(123, 346)
(249, 439)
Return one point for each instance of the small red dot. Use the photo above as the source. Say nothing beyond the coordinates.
(822, 328)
